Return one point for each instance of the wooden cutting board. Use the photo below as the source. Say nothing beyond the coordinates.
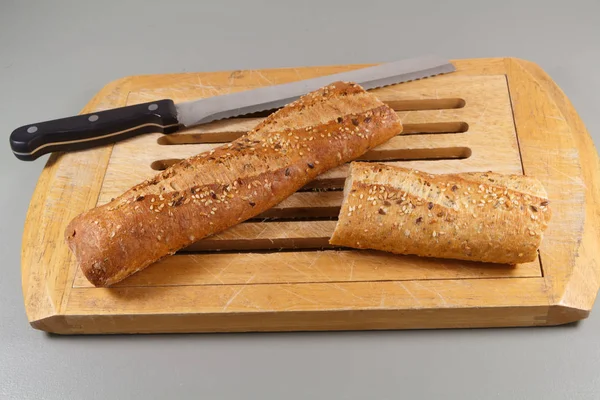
(277, 272)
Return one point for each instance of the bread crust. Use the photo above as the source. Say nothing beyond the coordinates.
(215, 190)
(479, 216)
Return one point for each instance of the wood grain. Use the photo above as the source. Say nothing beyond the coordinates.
(310, 267)
(69, 184)
(568, 166)
(250, 285)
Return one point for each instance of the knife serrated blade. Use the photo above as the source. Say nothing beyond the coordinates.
(270, 97)
(30, 141)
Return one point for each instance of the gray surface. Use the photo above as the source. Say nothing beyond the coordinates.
(54, 56)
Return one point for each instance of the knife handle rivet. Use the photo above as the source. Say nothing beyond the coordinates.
(32, 129)
(93, 118)
(153, 107)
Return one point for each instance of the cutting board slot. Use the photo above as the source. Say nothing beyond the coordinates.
(309, 211)
(444, 153)
(228, 136)
(393, 155)
(293, 218)
(426, 104)
(280, 235)
(261, 245)
(398, 105)
(321, 189)
(435, 127)
(327, 184)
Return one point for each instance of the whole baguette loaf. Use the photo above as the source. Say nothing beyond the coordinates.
(215, 190)
(481, 216)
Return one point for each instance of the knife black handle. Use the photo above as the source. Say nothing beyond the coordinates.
(90, 130)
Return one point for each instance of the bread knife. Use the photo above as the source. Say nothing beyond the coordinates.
(85, 131)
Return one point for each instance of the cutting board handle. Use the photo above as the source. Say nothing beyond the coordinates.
(85, 131)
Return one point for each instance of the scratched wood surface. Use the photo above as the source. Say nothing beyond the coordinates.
(277, 272)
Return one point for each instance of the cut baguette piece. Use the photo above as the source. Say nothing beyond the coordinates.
(479, 216)
(215, 190)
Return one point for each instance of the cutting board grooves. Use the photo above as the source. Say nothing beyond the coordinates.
(225, 137)
(394, 155)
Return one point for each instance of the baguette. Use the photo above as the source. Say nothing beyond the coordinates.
(215, 190)
(480, 216)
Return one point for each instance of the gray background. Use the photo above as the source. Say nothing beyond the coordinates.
(54, 56)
